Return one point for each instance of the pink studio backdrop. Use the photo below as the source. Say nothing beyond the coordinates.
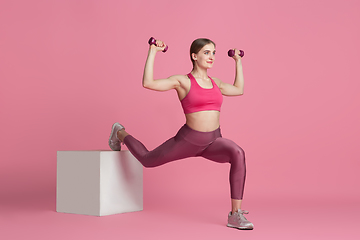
(69, 69)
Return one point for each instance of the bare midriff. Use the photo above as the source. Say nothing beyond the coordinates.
(203, 121)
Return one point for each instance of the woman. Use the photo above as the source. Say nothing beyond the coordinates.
(201, 99)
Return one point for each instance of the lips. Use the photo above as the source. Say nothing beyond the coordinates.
(210, 62)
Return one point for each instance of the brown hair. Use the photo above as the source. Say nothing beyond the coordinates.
(197, 45)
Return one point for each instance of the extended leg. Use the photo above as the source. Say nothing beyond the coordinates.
(173, 149)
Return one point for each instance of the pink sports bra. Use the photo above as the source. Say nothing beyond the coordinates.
(201, 99)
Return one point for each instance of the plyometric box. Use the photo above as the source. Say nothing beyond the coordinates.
(98, 183)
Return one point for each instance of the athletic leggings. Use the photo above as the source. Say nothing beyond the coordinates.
(191, 143)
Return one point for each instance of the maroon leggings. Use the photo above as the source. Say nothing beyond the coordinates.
(190, 143)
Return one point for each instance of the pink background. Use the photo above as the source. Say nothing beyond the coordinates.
(69, 69)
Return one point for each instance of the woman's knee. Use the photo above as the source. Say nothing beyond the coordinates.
(237, 155)
(148, 162)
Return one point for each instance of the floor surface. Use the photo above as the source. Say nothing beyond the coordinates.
(36, 218)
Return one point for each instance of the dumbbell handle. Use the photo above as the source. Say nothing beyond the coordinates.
(153, 41)
(231, 53)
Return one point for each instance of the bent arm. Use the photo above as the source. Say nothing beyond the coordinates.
(239, 77)
(238, 87)
(148, 78)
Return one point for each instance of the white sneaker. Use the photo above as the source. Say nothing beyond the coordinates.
(114, 142)
(237, 220)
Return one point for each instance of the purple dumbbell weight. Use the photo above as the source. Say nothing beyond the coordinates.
(231, 53)
(153, 41)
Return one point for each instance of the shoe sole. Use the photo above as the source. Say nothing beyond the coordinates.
(241, 228)
(112, 130)
(111, 134)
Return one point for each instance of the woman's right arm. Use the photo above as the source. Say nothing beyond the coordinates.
(148, 78)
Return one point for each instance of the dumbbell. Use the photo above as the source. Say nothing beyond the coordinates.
(153, 41)
(231, 53)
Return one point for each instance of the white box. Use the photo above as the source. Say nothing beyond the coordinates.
(98, 182)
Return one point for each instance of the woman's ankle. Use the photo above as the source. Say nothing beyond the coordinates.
(121, 135)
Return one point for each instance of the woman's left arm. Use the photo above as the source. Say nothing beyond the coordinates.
(237, 88)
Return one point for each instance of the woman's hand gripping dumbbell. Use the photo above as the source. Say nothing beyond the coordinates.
(158, 43)
(231, 53)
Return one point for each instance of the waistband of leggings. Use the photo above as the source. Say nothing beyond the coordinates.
(197, 137)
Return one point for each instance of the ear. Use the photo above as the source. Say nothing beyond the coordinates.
(194, 57)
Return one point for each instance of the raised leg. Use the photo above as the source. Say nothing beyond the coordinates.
(174, 148)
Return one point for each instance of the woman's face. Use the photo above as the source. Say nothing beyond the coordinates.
(205, 57)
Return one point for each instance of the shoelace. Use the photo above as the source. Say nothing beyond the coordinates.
(114, 142)
(240, 214)
(243, 211)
